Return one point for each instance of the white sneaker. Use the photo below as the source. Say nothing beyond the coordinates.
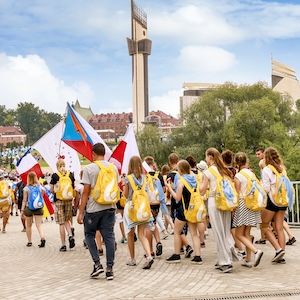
(165, 236)
(257, 258)
(247, 264)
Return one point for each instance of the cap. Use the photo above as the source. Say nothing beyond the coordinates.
(202, 166)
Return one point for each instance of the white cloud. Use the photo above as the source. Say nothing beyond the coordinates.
(205, 59)
(168, 102)
(28, 79)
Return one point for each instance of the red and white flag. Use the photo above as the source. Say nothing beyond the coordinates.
(125, 150)
(26, 164)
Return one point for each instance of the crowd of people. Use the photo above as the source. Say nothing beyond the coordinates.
(151, 204)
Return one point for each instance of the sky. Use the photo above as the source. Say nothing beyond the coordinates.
(54, 52)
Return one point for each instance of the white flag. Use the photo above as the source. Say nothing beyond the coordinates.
(51, 148)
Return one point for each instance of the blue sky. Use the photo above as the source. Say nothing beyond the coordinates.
(56, 51)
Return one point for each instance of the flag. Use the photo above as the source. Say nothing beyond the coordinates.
(48, 209)
(81, 136)
(26, 164)
(125, 150)
(51, 148)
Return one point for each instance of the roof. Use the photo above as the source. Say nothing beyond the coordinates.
(10, 130)
(85, 112)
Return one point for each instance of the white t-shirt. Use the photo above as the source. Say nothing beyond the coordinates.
(244, 181)
(269, 182)
(212, 181)
(89, 176)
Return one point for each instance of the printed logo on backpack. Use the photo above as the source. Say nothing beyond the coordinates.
(256, 197)
(226, 195)
(63, 188)
(196, 211)
(4, 192)
(139, 206)
(35, 197)
(106, 190)
(284, 191)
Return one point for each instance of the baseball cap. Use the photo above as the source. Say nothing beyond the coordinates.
(202, 166)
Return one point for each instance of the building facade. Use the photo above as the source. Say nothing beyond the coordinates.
(10, 134)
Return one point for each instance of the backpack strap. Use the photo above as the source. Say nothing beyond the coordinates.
(61, 175)
(214, 172)
(187, 185)
(101, 166)
(275, 171)
(134, 186)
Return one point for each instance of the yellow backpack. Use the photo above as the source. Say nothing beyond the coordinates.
(196, 211)
(63, 188)
(226, 195)
(256, 197)
(4, 191)
(106, 190)
(139, 206)
(284, 191)
(153, 192)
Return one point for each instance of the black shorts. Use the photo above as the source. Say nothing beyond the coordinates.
(272, 207)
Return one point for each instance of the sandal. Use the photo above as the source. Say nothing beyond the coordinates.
(29, 244)
(42, 244)
(260, 241)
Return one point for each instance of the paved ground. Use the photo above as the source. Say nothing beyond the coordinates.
(34, 273)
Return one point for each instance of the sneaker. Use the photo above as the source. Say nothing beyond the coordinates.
(97, 270)
(159, 249)
(71, 242)
(202, 245)
(23, 230)
(73, 231)
(188, 251)
(181, 251)
(109, 275)
(278, 255)
(217, 266)
(100, 252)
(247, 264)
(260, 242)
(131, 263)
(3, 231)
(165, 236)
(257, 257)
(226, 269)
(63, 248)
(147, 265)
(281, 261)
(175, 258)
(242, 253)
(197, 260)
(291, 241)
(123, 241)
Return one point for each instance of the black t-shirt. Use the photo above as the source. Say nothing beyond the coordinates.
(20, 187)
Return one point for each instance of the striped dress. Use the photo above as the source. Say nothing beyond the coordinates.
(243, 215)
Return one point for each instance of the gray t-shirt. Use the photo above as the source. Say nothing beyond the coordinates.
(89, 176)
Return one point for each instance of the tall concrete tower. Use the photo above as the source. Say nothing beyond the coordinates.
(139, 47)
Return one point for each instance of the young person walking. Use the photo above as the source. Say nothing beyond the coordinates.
(97, 216)
(180, 220)
(244, 218)
(220, 219)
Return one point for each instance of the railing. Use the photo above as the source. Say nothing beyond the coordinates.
(294, 215)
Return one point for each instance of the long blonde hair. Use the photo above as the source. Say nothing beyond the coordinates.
(135, 167)
(273, 158)
(216, 156)
(32, 179)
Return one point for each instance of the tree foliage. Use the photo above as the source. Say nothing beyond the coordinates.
(32, 120)
(239, 118)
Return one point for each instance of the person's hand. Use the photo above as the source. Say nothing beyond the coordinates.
(80, 218)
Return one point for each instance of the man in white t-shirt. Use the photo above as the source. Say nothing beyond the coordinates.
(96, 216)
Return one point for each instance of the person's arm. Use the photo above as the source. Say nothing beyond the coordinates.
(84, 199)
(266, 180)
(178, 194)
(237, 185)
(203, 185)
(25, 195)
